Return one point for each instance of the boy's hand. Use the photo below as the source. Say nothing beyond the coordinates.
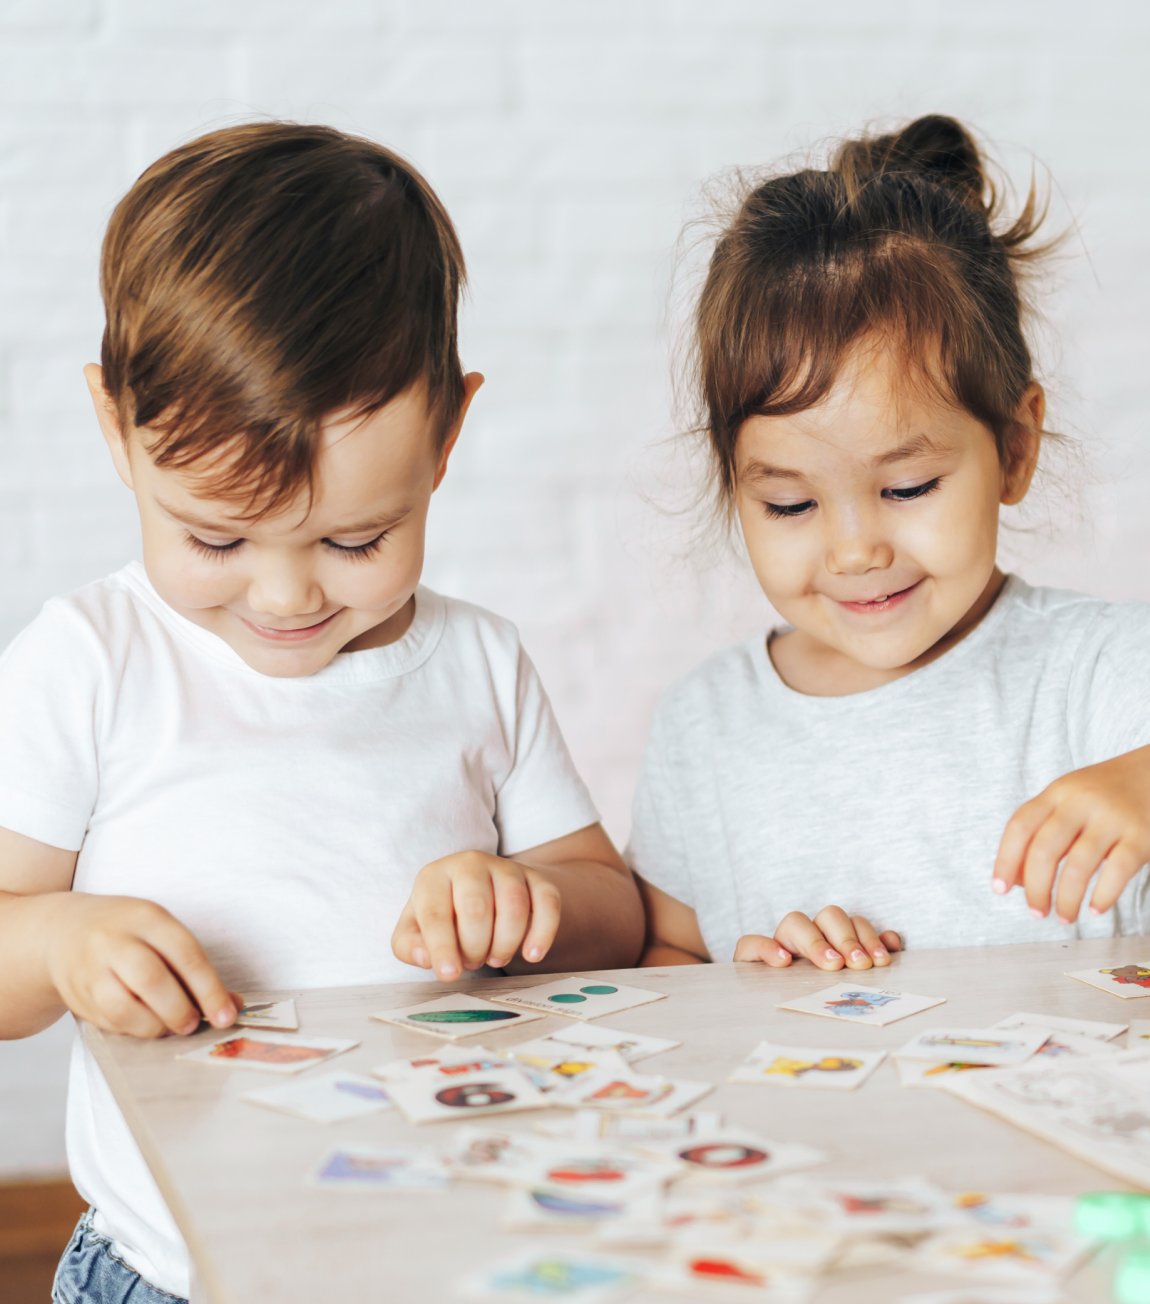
(1100, 813)
(128, 966)
(833, 939)
(471, 909)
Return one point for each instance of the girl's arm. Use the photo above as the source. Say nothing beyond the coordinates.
(1096, 817)
(572, 902)
(673, 935)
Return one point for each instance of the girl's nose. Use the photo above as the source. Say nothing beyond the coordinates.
(856, 551)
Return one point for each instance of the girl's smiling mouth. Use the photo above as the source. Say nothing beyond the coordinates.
(879, 604)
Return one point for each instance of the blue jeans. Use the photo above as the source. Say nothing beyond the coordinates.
(89, 1273)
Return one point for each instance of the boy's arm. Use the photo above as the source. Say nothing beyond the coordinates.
(571, 903)
(125, 965)
(673, 935)
(1096, 817)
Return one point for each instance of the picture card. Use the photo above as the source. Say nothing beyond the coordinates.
(372, 1168)
(560, 1067)
(269, 1051)
(593, 1125)
(732, 1156)
(1139, 1034)
(856, 1207)
(725, 1271)
(457, 1015)
(550, 1210)
(857, 1004)
(581, 998)
(628, 1092)
(593, 1170)
(327, 1098)
(804, 1066)
(436, 1096)
(928, 1073)
(1057, 1023)
(1128, 981)
(632, 1046)
(450, 1061)
(492, 1154)
(277, 1016)
(571, 1275)
(974, 1046)
(1072, 1045)
(1008, 1254)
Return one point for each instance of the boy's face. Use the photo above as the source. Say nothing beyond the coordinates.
(872, 519)
(289, 591)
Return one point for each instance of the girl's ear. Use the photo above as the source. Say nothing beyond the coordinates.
(109, 421)
(1029, 417)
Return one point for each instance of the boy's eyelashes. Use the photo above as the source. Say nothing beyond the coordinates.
(221, 550)
(902, 495)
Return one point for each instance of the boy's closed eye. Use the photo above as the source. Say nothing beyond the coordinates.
(222, 550)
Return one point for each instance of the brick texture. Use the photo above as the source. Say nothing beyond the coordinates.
(569, 142)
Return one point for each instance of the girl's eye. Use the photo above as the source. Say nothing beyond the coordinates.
(789, 509)
(360, 549)
(216, 550)
(915, 491)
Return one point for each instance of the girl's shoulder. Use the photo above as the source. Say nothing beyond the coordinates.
(1061, 620)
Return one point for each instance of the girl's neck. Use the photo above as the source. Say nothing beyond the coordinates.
(809, 666)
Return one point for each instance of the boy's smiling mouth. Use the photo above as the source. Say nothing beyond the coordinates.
(297, 634)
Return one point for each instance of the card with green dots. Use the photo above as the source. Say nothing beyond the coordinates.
(579, 998)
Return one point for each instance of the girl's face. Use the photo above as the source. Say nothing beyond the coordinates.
(872, 519)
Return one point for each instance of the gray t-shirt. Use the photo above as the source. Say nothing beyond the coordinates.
(755, 800)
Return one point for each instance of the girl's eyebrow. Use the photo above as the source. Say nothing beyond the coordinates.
(921, 443)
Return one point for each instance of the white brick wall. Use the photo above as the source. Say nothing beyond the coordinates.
(566, 141)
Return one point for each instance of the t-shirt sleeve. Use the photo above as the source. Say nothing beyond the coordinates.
(656, 851)
(1108, 706)
(49, 691)
(542, 798)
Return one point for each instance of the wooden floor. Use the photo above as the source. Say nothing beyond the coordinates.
(36, 1222)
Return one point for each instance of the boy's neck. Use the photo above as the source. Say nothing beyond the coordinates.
(810, 666)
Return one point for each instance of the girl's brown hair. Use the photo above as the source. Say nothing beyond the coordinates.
(263, 277)
(897, 240)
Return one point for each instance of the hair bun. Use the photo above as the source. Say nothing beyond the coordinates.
(934, 147)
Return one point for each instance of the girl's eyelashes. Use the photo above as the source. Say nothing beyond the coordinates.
(789, 509)
(914, 491)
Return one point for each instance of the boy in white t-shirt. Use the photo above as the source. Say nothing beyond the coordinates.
(267, 752)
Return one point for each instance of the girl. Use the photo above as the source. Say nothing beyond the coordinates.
(869, 404)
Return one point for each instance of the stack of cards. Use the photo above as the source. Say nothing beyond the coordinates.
(1125, 980)
(455, 1016)
(805, 1066)
(269, 1052)
(328, 1098)
(580, 998)
(858, 1004)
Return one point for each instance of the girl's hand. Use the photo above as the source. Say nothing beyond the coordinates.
(1090, 816)
(471, 909)
(128, 966)
(833, 939)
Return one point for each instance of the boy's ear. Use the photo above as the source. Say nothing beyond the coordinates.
(1030, 415)
(109, 421)
(471, 384)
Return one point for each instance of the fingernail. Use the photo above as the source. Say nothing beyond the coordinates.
(879, 953)
(833, 955)
(535, 953)
(1036, 913)
(1063, 920)
(998, 886)
(448, 971)
(223, 1016)
(784, 955)
(189, 1027)
(859, 955)
(1094, 910)
(496, 962)
(419, 955)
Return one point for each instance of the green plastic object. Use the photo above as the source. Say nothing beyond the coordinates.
(1113, 1216)
(1132, 1280)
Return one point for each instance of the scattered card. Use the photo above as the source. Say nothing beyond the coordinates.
(802, 1066)
(455, 1016)
(1056, 1023)
(725, 1272)
(370, 1168)
(554, 1067)
(631, 1045)
(927, 1073)
(328, 1098)
(580, 998)
(555, 1274)
(732, 1156)
(450, 1061)
(435, 1095)
(988, 1295)
(547, 1210)
(593, 1125)
(856, 1004)
(628, 1092)
(279, 1016)
(270, 1052)
(1010, 1255)
(907, 1206)
(1139, 1033)
(1125, 980)
(974, 1046)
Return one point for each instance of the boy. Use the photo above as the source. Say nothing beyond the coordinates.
(222, 769)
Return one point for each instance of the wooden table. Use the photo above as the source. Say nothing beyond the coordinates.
(235, 1175)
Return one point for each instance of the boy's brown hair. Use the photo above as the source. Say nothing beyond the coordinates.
(263, 277)
(896, 241)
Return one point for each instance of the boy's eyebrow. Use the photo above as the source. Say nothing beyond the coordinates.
(226, 525)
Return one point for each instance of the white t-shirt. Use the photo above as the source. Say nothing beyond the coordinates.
(755, 800)
(282, 820)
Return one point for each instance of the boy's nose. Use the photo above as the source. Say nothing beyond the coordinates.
(284, 591)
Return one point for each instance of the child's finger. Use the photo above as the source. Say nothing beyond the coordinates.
(1122, 863)
(891, 940)
(435, 918)
(1016, 837)
(800, 936)
(765, 950)
(512, 915)
(473, 899)
(546, 905)
(1047, 848)
(407, 942)
(117, 1010)
(838, 929)
(875, 946)
(1079, 867)
(152, 983)
(186, 957)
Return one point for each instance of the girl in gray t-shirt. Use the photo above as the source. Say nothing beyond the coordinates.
(925, 733)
